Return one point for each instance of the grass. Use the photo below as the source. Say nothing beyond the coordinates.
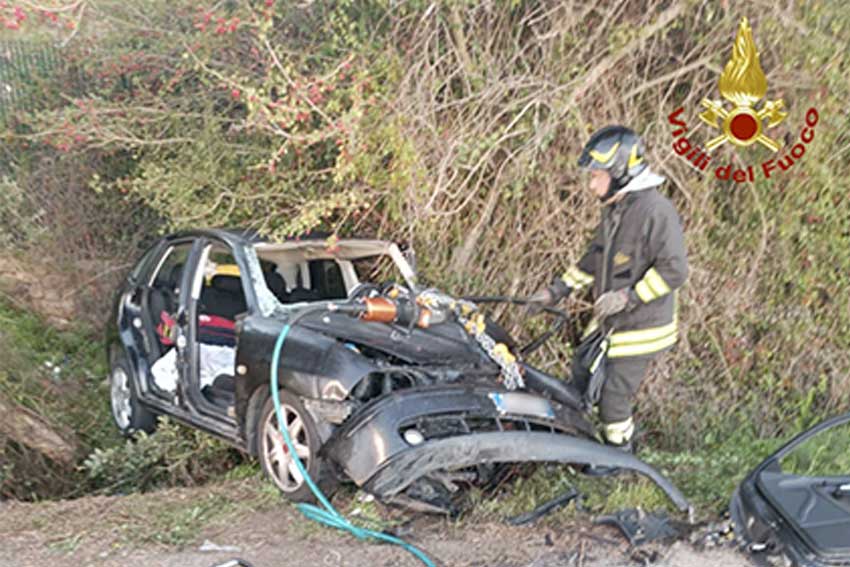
(76, 396)
(171, 517)
(706, 476)
(60, 376)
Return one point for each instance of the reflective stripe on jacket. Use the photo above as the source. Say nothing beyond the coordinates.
(645, 252)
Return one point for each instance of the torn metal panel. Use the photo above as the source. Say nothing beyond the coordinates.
(640, 527)
(508, 447)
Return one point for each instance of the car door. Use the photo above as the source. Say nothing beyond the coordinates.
(798, 500)
(136, 335)
(162, 299)
(219, 296)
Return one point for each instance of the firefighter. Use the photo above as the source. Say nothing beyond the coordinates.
(634, 265)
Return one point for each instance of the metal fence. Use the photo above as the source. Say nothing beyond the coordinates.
(23, 65)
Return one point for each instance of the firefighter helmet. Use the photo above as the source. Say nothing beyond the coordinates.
(619, 151)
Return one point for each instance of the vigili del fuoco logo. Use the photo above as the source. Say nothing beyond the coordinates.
(743, 85)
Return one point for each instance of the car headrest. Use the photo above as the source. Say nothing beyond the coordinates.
(226, 270)
(229, 284)
(275, 283)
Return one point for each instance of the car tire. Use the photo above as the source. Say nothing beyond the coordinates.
(127, 413)
(274, 454)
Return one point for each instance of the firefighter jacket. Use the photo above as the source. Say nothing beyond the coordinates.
(639, 245)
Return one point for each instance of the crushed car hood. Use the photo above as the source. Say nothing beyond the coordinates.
(446, 343)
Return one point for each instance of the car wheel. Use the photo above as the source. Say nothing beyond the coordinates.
(275, 458)
(127, 413)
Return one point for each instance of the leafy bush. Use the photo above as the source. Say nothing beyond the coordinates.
(455, 126)
(173, 456)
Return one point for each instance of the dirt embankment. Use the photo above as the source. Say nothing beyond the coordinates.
(171, 527)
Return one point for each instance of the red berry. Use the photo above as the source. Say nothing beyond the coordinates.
(235, 93)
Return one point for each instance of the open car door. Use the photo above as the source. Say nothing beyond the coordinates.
(797, 502)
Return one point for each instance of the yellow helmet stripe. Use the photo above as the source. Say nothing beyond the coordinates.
(633, 157)
(606, 157)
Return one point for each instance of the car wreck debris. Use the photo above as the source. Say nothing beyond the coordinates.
(797, 502)
(640, 527)
(545, 508)
(411, 394)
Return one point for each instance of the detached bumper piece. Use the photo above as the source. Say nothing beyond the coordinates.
(507, 447)
(419, 443)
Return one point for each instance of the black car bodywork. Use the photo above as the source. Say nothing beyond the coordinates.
(797, 502)
(365, 385)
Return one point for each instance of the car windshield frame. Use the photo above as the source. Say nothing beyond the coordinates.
(344, 249)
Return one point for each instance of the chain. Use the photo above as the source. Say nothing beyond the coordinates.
(468, 315)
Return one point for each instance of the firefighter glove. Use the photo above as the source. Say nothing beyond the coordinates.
(613, 302)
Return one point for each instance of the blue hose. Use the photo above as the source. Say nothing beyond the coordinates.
(327, 514)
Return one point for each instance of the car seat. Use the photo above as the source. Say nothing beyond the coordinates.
(275, 283)
(224, 297)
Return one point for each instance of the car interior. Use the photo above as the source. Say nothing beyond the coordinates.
(294, 274)
(164, 294)
(222, 300)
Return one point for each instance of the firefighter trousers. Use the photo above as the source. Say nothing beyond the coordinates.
(623, 378)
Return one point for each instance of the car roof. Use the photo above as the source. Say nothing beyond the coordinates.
(313, 240)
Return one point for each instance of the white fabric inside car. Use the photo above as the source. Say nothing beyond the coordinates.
(215, 360)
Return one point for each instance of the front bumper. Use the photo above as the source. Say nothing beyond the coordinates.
(372, 451)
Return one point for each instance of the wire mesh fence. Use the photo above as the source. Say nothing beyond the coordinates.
(23, 66)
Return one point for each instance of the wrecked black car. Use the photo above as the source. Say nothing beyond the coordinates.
(409, 393)
(797, 502)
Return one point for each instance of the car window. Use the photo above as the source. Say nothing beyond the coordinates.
(220, 261)
(144, 265)
(825, 454)
(171, 266)
(326, 279)
(222, 290)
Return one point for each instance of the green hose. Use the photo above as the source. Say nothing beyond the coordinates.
(327, 514)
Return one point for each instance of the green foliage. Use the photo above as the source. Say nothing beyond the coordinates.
(825, 454)
(16, 222)
(59, 376)
(175, 455)
(455, 127)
